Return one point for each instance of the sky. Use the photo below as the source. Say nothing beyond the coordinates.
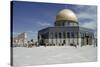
(30, 17)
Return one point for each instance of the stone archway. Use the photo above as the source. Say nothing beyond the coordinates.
(87, 40)
(64, 42)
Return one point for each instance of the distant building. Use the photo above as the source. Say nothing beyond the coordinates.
(20, 40)
(66, 31)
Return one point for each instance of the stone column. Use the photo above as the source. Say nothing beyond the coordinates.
(85, 43)
(79, 39)
(54, 38)
(58, 40)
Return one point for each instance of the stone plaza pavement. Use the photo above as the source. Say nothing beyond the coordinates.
(53, 55)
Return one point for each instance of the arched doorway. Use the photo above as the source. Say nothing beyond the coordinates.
(87, 40)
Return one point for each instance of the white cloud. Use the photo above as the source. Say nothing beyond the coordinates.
(84, 15)
(31, 32)
(43, 24)
(90, 25)
(15, 34)
(89, 12)
(88, 17)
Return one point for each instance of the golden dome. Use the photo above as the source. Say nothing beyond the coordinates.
(66, 14)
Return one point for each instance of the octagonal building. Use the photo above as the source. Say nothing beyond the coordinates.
(66, 31)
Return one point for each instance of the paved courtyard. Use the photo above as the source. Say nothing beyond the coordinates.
(53, 55)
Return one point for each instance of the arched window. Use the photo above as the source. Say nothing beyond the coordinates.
(72, 34)
(60, 35)
(51, 35)
(68, 35)
(56, 35)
